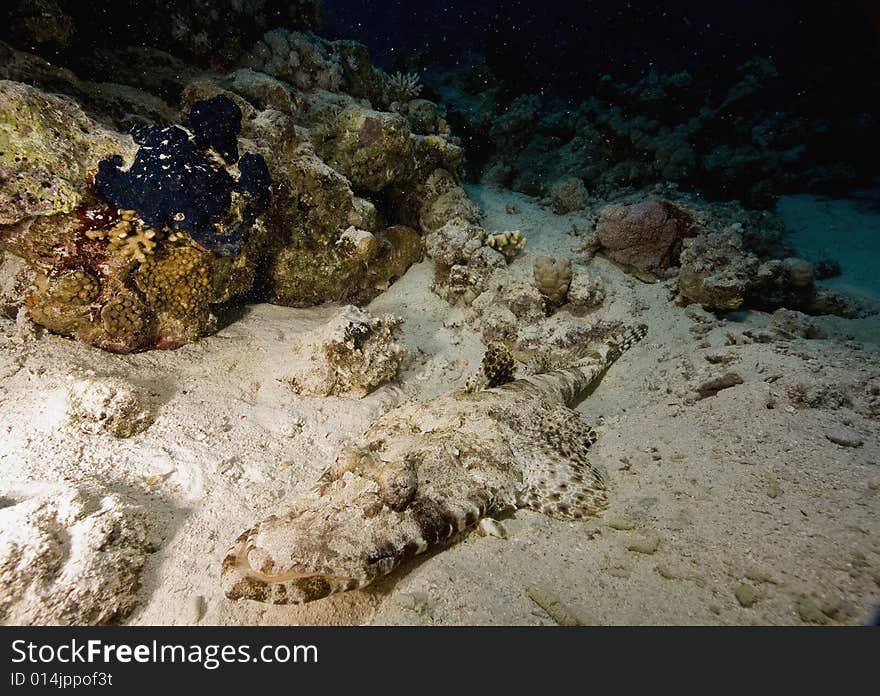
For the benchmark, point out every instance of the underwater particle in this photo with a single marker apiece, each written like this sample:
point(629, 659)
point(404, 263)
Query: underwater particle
point(508, 243)
point(215, 124)
point(75, 287)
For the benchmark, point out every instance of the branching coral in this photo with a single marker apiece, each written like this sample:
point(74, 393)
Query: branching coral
point(508, 243)
point(403, 87)
point(129, 235)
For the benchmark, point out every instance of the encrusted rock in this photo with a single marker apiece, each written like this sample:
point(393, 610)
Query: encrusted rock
point(585, 291)
point(422, 116)
point(645, 237)
point(795, 323)
point(798, 272)
point(716, 271)
point(372, 149)
point(16, 278)
point(350, 355)
point(454, 243)
point(47, 145)
point(70, 557)
point(108, 405)
point(300, 58)
point(712, 386)
point(568, 195)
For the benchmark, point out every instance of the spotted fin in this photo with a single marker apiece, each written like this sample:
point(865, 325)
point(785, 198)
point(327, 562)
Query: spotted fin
point(558, 478)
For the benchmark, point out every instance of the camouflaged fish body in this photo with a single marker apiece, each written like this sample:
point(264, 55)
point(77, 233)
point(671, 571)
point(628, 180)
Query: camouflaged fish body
point(423, 473)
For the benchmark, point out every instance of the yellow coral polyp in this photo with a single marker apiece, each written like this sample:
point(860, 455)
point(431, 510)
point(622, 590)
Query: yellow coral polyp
point(123, 316)
point(75, 288)
point(177, 281)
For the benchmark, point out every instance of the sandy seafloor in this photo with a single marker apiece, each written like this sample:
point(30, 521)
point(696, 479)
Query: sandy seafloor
point(740, 489)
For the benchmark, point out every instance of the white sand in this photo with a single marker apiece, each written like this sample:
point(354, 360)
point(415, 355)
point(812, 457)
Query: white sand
point(705, 496)
point(845, 230)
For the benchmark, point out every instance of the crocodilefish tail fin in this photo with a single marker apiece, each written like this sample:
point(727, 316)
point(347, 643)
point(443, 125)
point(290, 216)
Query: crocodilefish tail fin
point(568, 385)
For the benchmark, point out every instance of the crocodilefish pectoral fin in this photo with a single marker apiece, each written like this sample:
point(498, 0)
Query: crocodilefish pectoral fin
point(340, 540)
point(558, 478)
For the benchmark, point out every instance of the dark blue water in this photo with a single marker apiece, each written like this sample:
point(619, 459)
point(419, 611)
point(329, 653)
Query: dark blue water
point(561, 47)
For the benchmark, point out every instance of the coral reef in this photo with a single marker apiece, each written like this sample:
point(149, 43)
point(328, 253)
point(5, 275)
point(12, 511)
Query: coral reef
point(301, 59)
point(142, 269)
point(158, 231)
point(747, 142)
point(70, 557)
point(205, 32)
point(351, 355)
